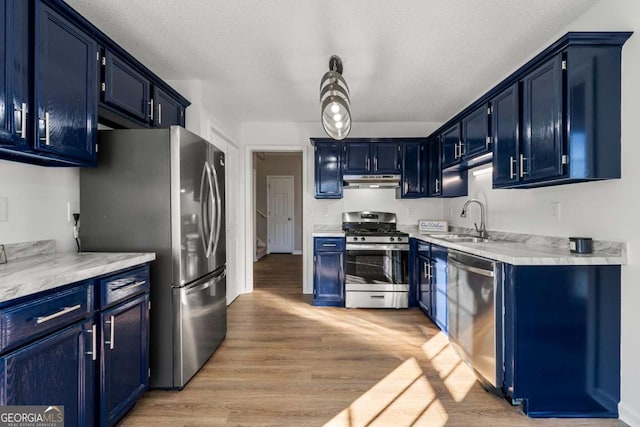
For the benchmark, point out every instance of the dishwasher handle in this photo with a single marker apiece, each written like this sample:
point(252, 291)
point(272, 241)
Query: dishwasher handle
point(481, 271)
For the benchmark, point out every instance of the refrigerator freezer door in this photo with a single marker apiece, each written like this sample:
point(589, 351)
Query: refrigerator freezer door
point(200, 314)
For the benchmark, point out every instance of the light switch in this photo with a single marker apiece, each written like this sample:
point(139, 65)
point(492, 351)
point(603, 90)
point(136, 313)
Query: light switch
point(4, 209)
point(555, 210)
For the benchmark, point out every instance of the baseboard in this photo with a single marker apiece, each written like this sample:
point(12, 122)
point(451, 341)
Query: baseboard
point(296, 252)
point(628, 415)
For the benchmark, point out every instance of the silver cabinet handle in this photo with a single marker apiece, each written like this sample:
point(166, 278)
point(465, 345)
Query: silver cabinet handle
point(368, 163)
point(129, 285)
point(159, 113)
point(377, 296)
point(112, 341)
point(43, 319)
point(375, 164)
point(437, 185)
point(522, 159)
point(329, 245)
point(23, 120)
point(455, 151)
point(461, 150)
point(406, 186)
point(512, 173)
point(424, 271)
point(151, 109)
point(93, 353)
point(47, 132)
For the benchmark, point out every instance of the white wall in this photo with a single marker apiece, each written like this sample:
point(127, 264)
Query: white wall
point(37, 200)
point(603, 210)
point(295, 136)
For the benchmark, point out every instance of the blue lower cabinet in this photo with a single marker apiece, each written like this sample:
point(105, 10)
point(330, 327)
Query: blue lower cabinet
point(125, 358)
point(57, 370)
point(562, 340)
point(328, 272)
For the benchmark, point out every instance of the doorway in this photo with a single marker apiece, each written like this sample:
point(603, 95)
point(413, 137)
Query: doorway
point(277, 188)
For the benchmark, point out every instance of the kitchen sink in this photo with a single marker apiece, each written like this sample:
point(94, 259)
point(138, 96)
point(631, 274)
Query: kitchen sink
point(466, 238)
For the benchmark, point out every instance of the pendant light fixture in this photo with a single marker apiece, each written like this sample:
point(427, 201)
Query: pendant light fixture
point(334, 101)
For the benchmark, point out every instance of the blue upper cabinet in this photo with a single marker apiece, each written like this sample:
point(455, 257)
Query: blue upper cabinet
point(371, 156)
point(327, 168)
point(451, 145)
point(14, 74)
point(434, 186)
point(66, 67)
point(167, 110)
point(475, 132)
point(357, 158)
point(125, 88)
point(414, 177)
point(504, 134)
point(386, 157)
point(541, 156)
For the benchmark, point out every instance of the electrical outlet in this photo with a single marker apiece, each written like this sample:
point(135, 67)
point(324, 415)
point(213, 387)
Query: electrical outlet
point(72, 207)
point(4, 209)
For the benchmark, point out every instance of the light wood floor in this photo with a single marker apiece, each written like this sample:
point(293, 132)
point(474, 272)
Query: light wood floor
point(286, 363)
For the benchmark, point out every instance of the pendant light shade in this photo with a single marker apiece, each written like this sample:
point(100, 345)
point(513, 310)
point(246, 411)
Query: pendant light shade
point(334, 101)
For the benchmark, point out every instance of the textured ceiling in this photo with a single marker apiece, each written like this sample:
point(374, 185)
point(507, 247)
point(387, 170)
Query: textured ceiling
point(404, 60)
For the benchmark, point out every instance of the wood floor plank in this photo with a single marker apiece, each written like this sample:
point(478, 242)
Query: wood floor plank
point(287, 363)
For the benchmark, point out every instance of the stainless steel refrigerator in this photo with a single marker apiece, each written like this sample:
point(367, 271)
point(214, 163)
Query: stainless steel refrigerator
point(162, 191)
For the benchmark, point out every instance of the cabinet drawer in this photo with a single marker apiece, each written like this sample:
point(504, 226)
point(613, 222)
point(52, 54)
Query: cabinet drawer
point(329, 244)
point(123, 285)
point(24, 322)
point(375, 299)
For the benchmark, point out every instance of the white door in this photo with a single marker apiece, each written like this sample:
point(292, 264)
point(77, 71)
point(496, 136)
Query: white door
point(280, 197)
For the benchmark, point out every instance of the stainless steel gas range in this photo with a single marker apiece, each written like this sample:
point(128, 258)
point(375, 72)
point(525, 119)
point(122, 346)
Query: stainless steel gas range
point(377, 261)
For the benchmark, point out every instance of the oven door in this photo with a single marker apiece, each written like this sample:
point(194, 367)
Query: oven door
point(378, 266)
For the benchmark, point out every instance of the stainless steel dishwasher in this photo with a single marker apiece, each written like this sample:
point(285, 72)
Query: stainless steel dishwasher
point(474, 294)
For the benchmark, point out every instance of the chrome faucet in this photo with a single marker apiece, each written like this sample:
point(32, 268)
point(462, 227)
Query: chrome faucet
point(482, 231)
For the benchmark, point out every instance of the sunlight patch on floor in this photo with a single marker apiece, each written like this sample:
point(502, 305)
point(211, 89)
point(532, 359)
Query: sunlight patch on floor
point(404, 394)
point(457, 376)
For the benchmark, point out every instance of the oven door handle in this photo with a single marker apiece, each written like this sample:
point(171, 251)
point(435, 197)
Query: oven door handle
point(376, 247)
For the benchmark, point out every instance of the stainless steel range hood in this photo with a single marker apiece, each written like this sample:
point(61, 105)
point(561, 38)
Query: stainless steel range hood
point(371, 181)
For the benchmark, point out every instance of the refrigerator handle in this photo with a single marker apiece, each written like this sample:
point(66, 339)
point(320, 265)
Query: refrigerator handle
point(203, 226)
point(210, 218)
point(219, 212)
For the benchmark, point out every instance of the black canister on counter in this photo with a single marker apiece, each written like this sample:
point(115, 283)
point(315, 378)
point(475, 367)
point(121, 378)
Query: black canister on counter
point(581, 245)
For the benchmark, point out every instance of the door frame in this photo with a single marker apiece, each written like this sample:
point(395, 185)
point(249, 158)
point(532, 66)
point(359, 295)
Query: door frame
point(250, 207)
point(292, 207)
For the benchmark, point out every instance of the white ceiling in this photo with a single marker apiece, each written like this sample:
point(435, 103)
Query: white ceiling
point(404, 60)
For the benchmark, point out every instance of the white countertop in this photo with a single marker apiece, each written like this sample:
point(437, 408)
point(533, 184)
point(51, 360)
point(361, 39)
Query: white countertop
point(526, 254)
point(321, 230)
point(32, 274)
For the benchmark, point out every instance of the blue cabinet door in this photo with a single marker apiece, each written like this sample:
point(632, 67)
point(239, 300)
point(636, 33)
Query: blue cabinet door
point(66, 66)
point(328, 273)
point(435, 168)
point(14, 74)
point(328, 170)
point(125, 88)
point(542, 140)
point(424, 285)
point(504, 130)
point(451, 146)
point(439, 286)
point(414, 170)
point(167, 110)
point(125, 358)
point(475, 132)
point(58, 370)
point(386, 157)
point(357, 158)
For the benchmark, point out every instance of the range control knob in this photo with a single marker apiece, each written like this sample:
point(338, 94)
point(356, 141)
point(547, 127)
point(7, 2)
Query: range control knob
point(399, 239)
point(355, 239)
point(363, 239)
point(392, 239)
